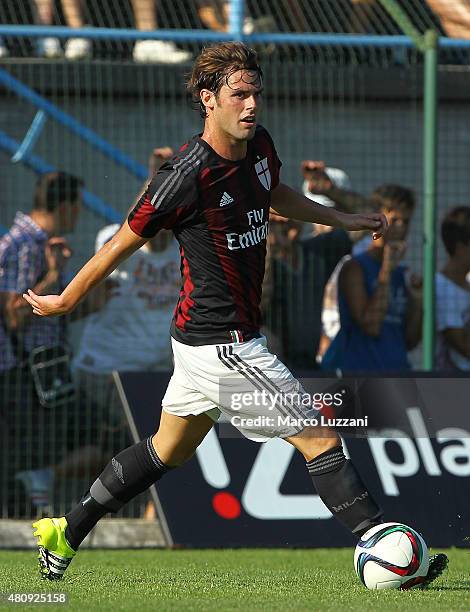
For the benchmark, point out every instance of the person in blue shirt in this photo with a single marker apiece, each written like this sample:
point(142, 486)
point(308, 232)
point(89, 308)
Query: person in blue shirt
point(380, 315)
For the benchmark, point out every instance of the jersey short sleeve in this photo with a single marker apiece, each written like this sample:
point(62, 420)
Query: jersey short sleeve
point(171, 196)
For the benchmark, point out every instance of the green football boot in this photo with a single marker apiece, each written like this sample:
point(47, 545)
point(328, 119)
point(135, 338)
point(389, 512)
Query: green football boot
point(55, 553)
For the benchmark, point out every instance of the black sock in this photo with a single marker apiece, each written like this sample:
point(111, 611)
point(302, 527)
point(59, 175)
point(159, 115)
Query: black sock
point(341, 489)
point(129, 473)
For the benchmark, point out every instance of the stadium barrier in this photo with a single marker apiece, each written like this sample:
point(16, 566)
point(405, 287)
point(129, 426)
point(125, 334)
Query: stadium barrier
point(328, 96)
point(411, 453)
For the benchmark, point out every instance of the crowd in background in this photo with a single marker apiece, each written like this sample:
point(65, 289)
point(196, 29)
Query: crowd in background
point(332, 300)
point(353, 16)
point(352, 304)
point(72, 400)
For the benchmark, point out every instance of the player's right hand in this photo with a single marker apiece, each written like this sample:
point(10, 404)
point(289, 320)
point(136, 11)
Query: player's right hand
point(45, 305)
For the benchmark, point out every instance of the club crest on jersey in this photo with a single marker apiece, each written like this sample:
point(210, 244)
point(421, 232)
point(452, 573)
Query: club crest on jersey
point(264, 175)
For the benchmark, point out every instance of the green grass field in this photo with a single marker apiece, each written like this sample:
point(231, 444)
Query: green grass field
point(222, 580)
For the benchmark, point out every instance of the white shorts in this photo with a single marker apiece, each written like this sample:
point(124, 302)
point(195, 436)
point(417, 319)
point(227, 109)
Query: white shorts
point(251, 387)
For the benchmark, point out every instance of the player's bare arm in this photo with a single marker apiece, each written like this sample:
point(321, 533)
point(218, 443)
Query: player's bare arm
point(314, 172)
point(289, 203)
point(107, 259)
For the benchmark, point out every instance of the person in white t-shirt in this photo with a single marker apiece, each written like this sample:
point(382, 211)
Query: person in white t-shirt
point(453, 293)
point(131, 332)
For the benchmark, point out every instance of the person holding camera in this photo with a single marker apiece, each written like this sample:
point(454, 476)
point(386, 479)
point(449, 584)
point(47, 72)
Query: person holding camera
point(34, 251)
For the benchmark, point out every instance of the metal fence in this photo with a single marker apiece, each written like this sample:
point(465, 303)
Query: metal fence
point(352, 101)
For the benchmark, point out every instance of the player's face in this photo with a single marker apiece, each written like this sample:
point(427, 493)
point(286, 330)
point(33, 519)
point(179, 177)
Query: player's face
point(238, 105)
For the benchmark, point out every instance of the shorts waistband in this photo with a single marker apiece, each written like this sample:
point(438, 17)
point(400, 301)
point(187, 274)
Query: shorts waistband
point(227, 337)
point(237, 335)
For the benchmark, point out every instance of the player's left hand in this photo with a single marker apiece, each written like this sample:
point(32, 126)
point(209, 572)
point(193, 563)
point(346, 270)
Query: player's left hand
point(45, 305)
point(376, 222)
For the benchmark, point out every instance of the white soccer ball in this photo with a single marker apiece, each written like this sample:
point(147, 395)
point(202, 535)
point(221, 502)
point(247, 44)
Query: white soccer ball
point(391, 556)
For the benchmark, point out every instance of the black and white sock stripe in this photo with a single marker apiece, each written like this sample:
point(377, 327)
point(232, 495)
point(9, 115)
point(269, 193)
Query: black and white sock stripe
point(155, 458)
point(327, 462)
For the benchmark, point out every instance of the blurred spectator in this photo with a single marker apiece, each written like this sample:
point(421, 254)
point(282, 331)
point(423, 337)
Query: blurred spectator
point(33, 254)
point(321, 181)
point(330, 312)
point(337, 187)
point(299, 270)
point(215, 15)
point(454, 16)
point(149, 51)
point(50, 47)
point(301, 259)
point(380, 316)
point(129, 333)
point(453, 293)
point(330, 187)
point(145, 51)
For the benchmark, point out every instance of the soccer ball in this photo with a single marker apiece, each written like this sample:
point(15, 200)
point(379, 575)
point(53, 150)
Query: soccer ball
point(391, 556)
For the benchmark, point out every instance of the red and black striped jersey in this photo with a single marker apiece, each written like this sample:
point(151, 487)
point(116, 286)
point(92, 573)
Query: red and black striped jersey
point(219, 212)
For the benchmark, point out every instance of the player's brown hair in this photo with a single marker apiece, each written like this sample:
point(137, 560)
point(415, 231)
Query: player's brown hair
point(53, 188)
point(214, 66)
point(455, 228)
point(391, 197)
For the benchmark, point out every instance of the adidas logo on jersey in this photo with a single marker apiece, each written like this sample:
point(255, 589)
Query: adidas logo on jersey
point(226, 199)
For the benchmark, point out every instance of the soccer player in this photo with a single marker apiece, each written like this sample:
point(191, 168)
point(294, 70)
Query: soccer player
point(215, 195)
